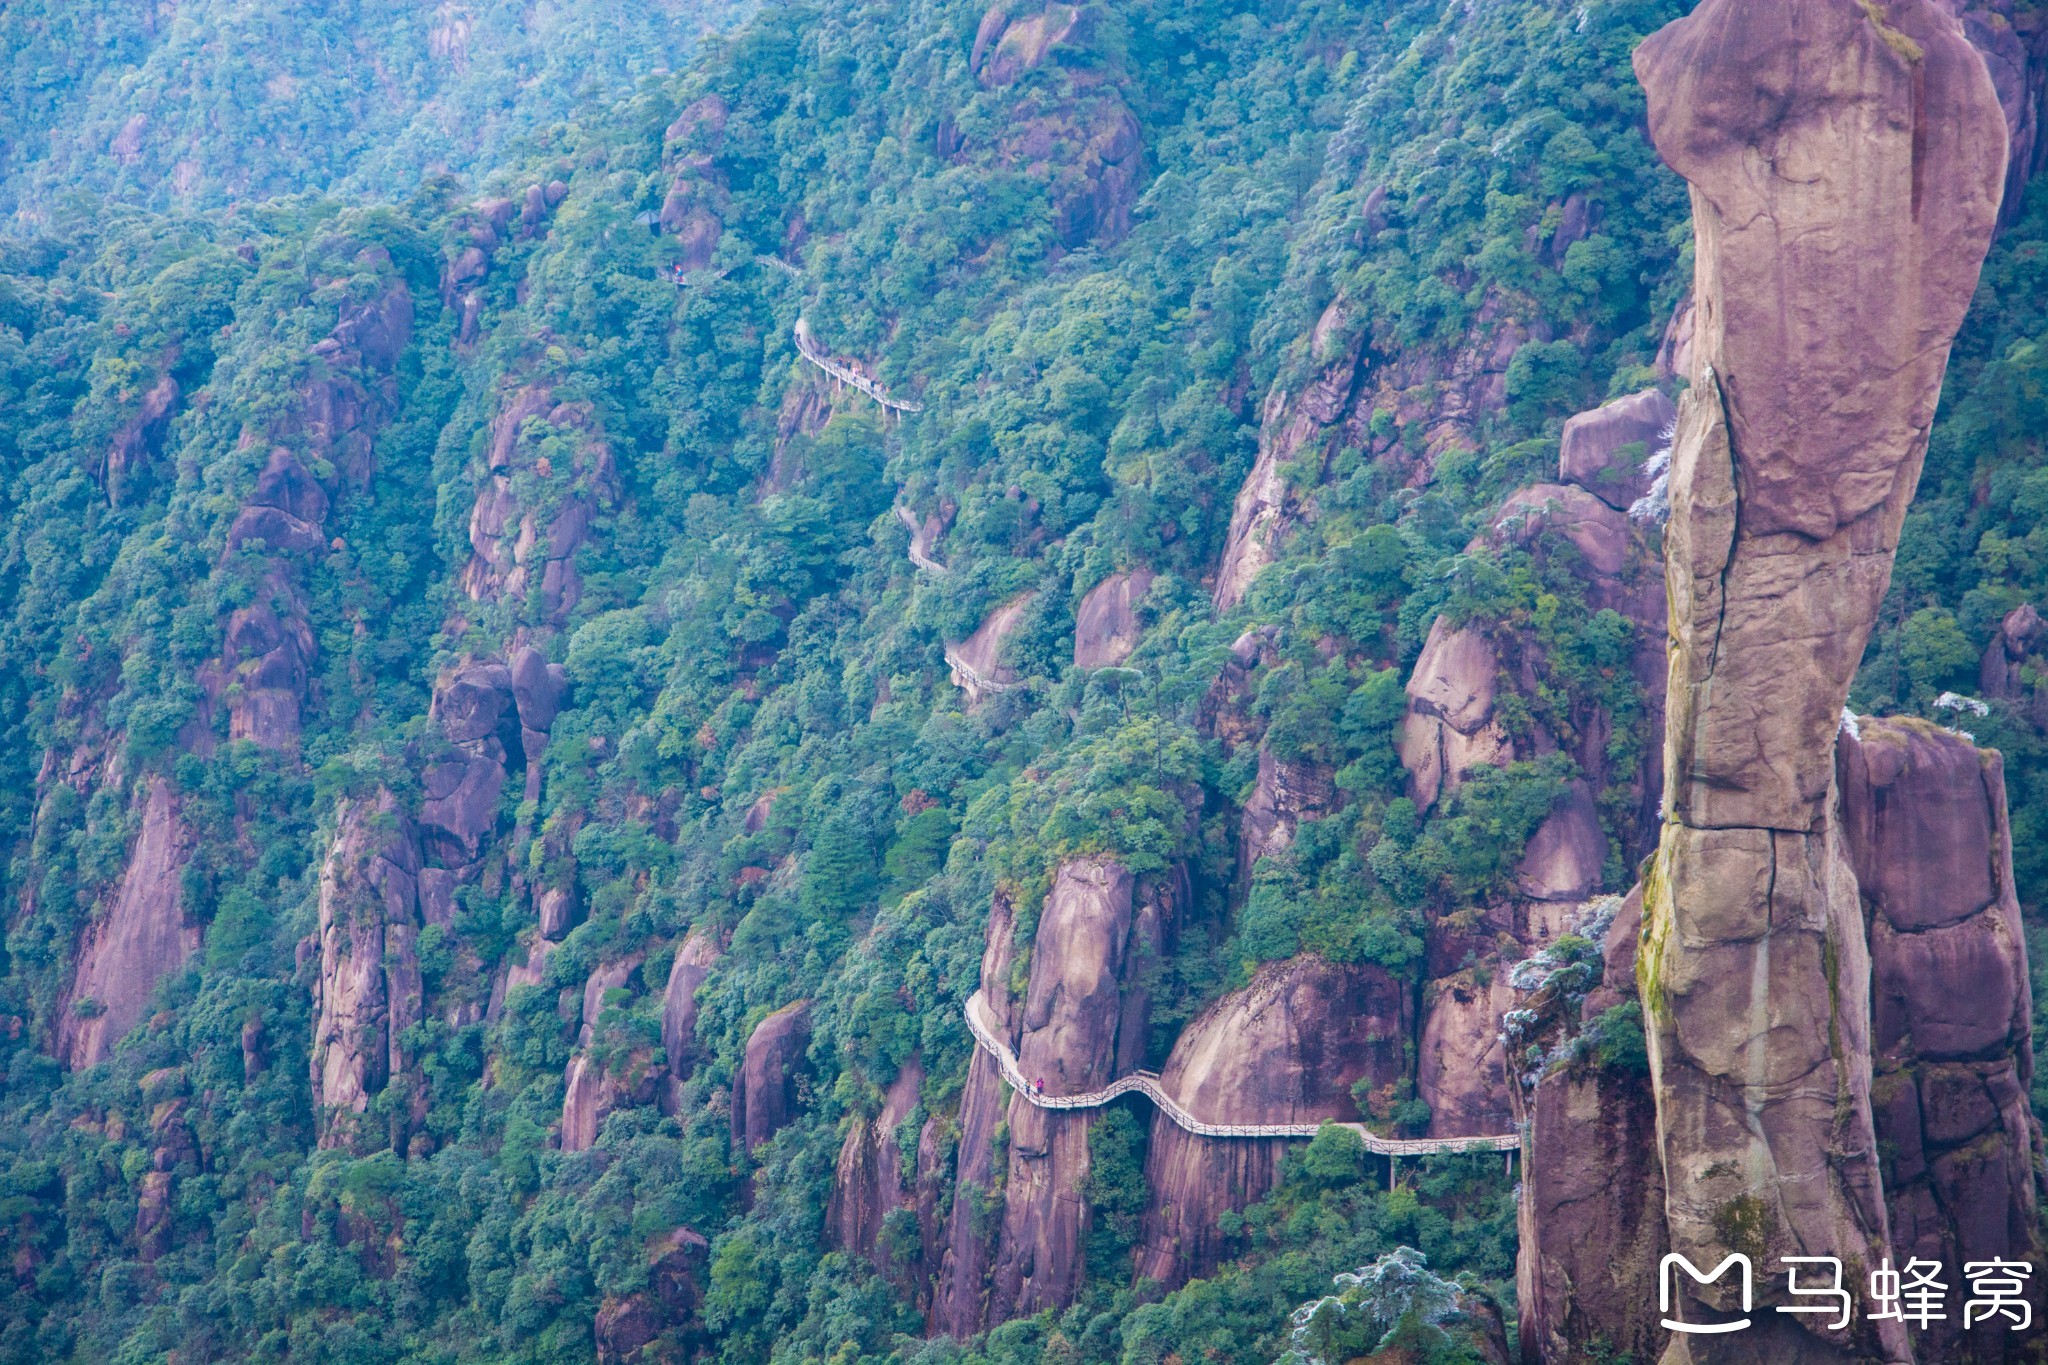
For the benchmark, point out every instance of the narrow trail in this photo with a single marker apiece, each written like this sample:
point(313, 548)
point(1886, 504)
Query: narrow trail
point(808, 349)
point(1147, 1084)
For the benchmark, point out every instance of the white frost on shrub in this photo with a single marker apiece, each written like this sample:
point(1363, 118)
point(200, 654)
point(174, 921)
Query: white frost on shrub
point(1952, 701)
point(1377, 1297)
point(1655, 505)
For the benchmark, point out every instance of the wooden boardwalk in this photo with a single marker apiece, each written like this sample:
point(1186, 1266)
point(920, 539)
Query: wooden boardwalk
point(1147, 1084)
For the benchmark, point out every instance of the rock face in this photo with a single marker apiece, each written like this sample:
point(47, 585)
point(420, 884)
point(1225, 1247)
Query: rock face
point(1290, 424)
point(764, 1090)
point(1846, 163)
point(976, 662)
point(1925, 817)
point(659, 1323)
point(140, 441)
point(692, 966)
point(594, 1087)
point(1285, 794)
point(1460, 1068)
point(369, 987)
point(1106, 626)
point(1604, 451)
point(142, 937)
point(1082, 1022)
point(1591, 1214)
point(2018, 62)
point(1286, 1049)
point(868, 1184)
point(349, 391)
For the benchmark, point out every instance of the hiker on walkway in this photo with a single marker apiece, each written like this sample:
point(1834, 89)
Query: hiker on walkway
point(1038, 1087)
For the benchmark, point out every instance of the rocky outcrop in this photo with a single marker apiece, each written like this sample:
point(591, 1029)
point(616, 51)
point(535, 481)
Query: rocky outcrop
point(1285, 793)
point(172, 1152)
point(1828, 292)
point(2014, 46)
point(658, 1323)
point(1924, 814)
point(698, 201)
point(691, 967)
point(868, 1184)
point(1292, 425)
point(1604, 451)
point(1106, 625)
point(532, 514)
point(2019, 635)
point(477, 715)
point(764, 1089)
point(1078, 135)
point(349, 391)
point(1083, 1020)
point(965, 1245)
point(1591, 1208)
point(1461, 1067)
point(1288, 1048)
point(368, 992)
point(596, 1085)
point(137, 941)
point(976, 662)
point(1450, 728)
point(1453, 724)
point(140, 442)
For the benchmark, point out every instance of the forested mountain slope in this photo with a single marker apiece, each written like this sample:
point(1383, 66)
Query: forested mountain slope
point(191, 104)
point(510, 773)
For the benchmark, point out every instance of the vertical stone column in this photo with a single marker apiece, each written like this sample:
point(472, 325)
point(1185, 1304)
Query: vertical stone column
point(1846, 159)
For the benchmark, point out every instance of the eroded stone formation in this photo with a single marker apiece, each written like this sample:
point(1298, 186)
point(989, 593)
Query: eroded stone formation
point(1081, 1021)
point(1846, 162)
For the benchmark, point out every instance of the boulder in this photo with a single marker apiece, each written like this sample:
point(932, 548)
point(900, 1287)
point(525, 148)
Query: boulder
point(1288, 1048)
point(764, 1089)
point(1604, 451)
point(141, 938)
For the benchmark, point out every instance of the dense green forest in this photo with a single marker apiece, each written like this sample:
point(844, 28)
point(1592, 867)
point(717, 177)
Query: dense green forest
point(350, 353)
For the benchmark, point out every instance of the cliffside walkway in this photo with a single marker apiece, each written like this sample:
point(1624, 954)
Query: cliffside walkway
point(1146, 1083)
point(808, 349)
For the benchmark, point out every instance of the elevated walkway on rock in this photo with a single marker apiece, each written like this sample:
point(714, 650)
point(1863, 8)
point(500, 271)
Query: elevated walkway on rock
point(1146, 1083)
point(846, 374)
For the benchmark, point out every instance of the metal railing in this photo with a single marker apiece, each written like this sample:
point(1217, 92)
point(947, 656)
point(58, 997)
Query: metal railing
point(845, 374)
point(1147, 1084)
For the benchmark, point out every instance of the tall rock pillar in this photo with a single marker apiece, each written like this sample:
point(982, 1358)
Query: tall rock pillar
point(1846, 159)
